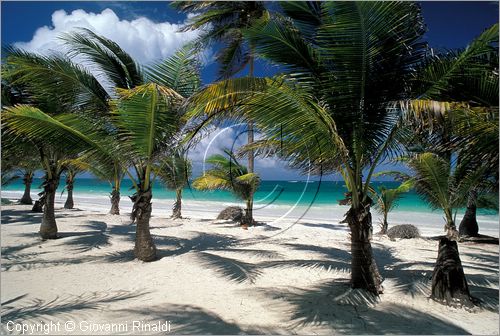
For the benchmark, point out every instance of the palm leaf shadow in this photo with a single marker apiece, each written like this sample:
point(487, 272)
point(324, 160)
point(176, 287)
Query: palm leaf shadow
point(64, 307)
point(233, 269)
point(341, 309)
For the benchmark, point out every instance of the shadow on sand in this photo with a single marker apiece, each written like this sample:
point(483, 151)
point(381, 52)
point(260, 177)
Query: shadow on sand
point(337, 308)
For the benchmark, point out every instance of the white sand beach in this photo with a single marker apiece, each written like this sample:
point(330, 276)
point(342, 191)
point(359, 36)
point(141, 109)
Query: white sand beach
point(216, 278)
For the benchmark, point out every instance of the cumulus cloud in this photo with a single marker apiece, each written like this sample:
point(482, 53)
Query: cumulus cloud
point(142, 38)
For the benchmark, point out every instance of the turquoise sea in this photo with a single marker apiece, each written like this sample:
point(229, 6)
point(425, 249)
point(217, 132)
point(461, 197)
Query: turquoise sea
point(304, 193)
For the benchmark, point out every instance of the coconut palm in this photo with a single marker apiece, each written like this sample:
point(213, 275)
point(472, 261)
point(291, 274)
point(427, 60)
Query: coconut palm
point(223, 22)
point(44, 76)
point(41, 79)
point(387, 200)
point(346, 62)
point(71, 172)
point(143, 122)
point(456, 112)
point(174, 171)
point(228, 174)
point(19, 156)
point(441, 185)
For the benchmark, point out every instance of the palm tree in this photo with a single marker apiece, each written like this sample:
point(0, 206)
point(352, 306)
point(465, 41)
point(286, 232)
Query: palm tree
point(174, 171)
point(456, 111)
point(441, 185)
point(346, 62)
point(387, 199)
point(44, 76)
point(143, 123)
point(224, 22)
point(228, 174)
point(41, 79)
point(71, 172)
point(19, 157)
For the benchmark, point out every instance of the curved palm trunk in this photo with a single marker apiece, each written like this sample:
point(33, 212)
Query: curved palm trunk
point(468, 226)
point(48, 228)
point(365, 273)
point(145, 249)
point(385, 225)
point(69, 204)
point(115, 202)
point(27, 180)
point(247, 219)
point(250, 122)
point(176, 210)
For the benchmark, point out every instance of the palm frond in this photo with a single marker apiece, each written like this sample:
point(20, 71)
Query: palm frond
point(117, 65)
point(44, 76)
point(180, 72)
point(146, 117)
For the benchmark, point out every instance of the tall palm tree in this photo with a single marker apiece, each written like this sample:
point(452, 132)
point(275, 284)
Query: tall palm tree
point(174, 171)
point(456, 111)
point(41, 78)
point(224, 22)
point(345, 63)
point(387, 199)
point(228, 174)
point(44, 76)
point(20, 157)
point(71, 173)
point(143, 122)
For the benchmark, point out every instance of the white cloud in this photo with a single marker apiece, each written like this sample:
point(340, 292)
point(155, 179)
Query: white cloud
point(144, 39)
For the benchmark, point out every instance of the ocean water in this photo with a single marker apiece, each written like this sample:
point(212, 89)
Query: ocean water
point(269, 194)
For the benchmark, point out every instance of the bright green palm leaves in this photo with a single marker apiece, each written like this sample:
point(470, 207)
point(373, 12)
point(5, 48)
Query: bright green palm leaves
point(387, 199)
point(344, 69)
point(437, 181)
point(346, 63)
point(224, 22)
point(142, 123)
point(174, 171)
point(226, 173)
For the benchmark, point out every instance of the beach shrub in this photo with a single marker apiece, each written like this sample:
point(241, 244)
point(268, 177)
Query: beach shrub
point(233, 213)
point(405, 231)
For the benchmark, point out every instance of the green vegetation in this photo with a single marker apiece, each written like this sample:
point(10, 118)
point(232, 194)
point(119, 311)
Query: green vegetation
point(358, 87)
point(228, 174)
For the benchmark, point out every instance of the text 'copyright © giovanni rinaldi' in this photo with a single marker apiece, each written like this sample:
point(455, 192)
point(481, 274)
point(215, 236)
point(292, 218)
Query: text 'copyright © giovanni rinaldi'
point(41, 327)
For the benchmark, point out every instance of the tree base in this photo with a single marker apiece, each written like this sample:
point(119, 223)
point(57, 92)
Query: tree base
point(37, 207)
point(449, 285)
point(26, 201)
point(48, 232)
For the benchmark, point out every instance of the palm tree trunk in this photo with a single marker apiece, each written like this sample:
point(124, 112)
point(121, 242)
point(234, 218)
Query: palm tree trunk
point(145, 249)
point(115, 202)
point(449, 284)
point(48, 228)
point(468, 226)
point(37, 207)
point(176, 210)
point(27, 180)
point(69, 204)
point(247, 219)
point(365, 273)
point(385, 225)
point(250, 122)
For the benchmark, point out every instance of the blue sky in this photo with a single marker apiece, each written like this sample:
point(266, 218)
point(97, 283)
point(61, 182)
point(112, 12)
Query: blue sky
point(31, 24)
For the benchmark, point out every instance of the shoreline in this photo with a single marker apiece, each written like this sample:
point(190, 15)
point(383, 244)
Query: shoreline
point(429, 223)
